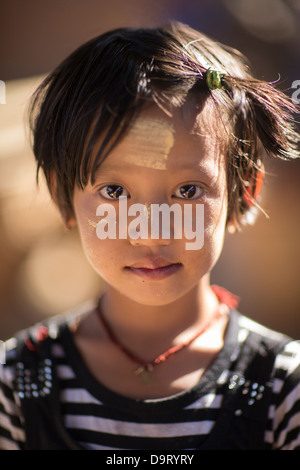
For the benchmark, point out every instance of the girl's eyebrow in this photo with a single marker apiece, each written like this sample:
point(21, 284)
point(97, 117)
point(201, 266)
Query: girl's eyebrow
point(109, 171)
point(206, 170)
point(104, 169)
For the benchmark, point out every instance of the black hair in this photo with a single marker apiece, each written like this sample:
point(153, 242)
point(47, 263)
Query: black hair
point(103, 84)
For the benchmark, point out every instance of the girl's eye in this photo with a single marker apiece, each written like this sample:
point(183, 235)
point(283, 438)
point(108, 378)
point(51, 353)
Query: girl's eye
point(189, 191)
point(113, 191)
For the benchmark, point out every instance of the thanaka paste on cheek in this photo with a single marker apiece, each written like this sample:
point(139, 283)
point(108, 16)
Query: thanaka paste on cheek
point(150, 143)
point(92, 223)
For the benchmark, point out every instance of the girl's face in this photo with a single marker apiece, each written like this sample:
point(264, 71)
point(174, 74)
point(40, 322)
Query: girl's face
point(161, 160)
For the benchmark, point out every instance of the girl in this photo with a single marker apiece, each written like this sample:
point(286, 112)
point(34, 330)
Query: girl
point(163, 360)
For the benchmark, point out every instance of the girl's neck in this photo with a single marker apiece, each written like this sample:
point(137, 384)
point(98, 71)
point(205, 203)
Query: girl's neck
point(127, 317)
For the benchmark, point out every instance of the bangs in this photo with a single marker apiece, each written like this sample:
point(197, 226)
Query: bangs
point(135, 69)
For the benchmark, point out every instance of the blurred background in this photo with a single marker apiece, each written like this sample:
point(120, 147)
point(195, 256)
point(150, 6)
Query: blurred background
point(42, 268)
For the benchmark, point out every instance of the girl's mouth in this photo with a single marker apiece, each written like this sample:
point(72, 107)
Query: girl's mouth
point(155, 273)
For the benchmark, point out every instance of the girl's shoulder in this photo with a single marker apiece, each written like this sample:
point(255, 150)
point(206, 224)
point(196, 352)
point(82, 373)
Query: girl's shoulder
point(266, 341)
point(27, 371)
point(270, 339)
point(34, 348)
point(283, 425)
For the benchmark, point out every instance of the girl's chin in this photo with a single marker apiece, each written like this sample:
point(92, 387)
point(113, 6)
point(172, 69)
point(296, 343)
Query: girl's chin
point(148, 294)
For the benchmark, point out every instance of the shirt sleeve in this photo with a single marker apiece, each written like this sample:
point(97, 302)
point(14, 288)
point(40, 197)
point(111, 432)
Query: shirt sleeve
point(12, 435)
point(284, 411)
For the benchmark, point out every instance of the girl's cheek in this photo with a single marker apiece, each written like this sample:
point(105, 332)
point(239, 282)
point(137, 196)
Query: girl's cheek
point(215, 215)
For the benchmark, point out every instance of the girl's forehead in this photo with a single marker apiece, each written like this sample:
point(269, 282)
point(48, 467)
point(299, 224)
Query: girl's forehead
point(153, 137)
point(149, 141)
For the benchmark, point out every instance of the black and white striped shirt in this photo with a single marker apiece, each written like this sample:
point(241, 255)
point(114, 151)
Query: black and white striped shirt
point(97, 418)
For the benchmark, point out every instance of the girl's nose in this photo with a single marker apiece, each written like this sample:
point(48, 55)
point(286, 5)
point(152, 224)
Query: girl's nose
point(148, 241)
point(153, 226)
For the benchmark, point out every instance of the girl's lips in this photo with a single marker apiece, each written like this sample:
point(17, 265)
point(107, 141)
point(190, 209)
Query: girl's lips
point(155, 274)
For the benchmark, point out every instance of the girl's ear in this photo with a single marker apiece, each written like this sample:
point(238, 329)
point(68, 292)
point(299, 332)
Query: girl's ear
point(70, 222)
point(232, 226)
point(68, 219)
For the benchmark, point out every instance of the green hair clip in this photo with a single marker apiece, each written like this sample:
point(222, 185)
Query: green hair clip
point(214, 78)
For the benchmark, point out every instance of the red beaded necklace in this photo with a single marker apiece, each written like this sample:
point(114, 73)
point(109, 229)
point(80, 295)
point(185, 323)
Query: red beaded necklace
point(226, 301)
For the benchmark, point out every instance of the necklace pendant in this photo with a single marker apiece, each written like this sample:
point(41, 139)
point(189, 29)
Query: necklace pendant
point(145, 374)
